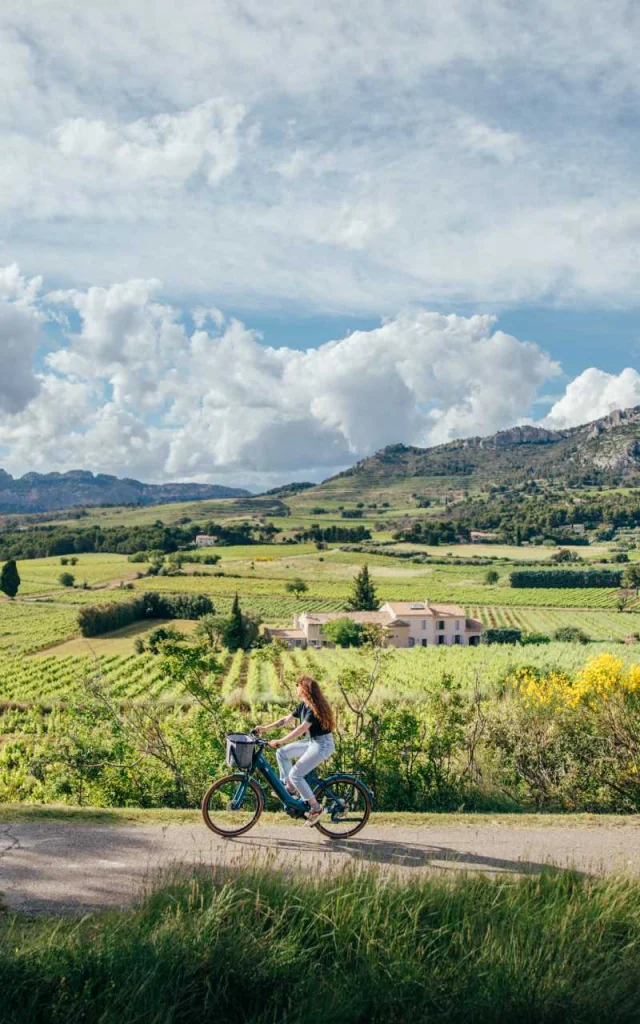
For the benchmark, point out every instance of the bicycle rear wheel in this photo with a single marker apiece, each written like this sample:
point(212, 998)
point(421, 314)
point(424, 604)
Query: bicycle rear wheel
point(232, 805)
point(347, 806)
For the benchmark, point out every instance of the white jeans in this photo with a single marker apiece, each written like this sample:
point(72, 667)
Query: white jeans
point(308, 754)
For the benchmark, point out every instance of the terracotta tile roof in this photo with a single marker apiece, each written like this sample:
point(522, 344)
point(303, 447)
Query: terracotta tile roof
point(378, 618)
point(409, 609)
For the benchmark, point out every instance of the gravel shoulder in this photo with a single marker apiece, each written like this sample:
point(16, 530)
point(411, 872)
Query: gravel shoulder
point(62, 866)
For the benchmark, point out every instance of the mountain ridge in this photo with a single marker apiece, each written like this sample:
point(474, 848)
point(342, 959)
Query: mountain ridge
point(80, 488)
point(606, 449)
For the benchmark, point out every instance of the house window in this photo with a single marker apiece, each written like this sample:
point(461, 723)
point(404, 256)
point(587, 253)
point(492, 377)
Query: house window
point(457, 639)
point(440, 623)
point(411, 642)
point(424, 643)
point(424, 623)
point(442, 639)
point(457, 624)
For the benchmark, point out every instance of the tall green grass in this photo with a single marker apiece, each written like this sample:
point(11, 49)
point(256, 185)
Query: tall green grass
point(356, 947)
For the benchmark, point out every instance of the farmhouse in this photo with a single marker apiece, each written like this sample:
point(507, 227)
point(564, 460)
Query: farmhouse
point(405, 623)
point(205, 540)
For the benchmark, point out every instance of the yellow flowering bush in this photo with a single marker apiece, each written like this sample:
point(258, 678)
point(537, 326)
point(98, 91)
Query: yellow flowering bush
point(542, 690)
point(603, 679)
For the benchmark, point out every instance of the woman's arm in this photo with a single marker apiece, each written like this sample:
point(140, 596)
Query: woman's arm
point(293, 735)
point(287, 720)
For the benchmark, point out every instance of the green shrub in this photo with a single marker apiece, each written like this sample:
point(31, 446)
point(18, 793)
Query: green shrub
point(563, 578)
point(342, 632)
point(535, 638)
point(502, 635)
point(571, 634)
point(94, 620)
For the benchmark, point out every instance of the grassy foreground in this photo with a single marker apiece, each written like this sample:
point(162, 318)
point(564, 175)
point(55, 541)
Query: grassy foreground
point(355, 948)
point(124, 816)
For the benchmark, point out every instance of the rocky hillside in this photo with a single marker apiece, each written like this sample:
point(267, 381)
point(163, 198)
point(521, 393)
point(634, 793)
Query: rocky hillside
point(606, 451)
point(45, 492)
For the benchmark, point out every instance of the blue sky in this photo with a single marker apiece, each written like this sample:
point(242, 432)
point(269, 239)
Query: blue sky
point(230, 231)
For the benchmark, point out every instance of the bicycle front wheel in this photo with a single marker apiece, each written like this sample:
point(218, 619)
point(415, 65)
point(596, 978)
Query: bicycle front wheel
point(347, 806)
point(232, 805)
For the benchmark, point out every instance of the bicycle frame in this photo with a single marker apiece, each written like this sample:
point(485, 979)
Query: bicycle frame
point(292, 804)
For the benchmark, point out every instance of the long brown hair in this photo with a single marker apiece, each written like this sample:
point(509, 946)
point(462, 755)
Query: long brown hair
point(317, 701)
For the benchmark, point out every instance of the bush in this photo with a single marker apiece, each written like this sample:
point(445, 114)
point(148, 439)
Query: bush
point(564, 555)
point(535, 638)
point(571, 634)
point(66, 579)
point(501, 635)
point(342, 632)
point(94, 620)
point(157, 637)
point(563, 578)
point(10, 578)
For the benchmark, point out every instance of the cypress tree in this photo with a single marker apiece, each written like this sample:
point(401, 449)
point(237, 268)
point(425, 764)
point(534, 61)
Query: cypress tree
point(234, 637)
point(9, 578)
point(363, 595)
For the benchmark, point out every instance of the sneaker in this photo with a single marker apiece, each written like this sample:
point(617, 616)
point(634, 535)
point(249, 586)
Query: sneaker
point(313, 817)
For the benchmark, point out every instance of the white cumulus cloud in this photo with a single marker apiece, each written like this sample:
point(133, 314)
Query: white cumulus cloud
point(174, 147)
point(132, 389)
point(133, 385)
point(593, 394)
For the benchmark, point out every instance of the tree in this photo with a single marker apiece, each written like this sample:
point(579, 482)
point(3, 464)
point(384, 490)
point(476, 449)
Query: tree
point(363, 594)
point(210, 628)
point(343, 632)
point(233, 630)
point(571, 634)
point(492, 576)
point(296, 586)
point(631, 577)
point(66, 579)
point(564, 555)
point(239, 631)
point(9, 578)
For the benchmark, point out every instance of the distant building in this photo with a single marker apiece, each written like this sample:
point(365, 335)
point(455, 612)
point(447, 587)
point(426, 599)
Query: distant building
point(578, 528)
point(405, 623)
point(481, 537)
point(205, 540)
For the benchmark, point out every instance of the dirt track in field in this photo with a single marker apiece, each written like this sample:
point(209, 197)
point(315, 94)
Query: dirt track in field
point(73, 868)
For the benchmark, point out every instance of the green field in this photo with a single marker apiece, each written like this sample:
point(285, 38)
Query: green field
point(245, 678)
point(44, 613)
point(57, 746)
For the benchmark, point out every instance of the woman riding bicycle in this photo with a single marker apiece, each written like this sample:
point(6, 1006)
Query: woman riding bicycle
point(316, 719)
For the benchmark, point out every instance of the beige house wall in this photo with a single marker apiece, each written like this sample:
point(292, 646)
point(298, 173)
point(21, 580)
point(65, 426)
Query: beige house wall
point(407, 630)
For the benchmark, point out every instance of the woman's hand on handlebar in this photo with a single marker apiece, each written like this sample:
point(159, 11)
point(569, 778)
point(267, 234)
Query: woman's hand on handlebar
point(259, 729)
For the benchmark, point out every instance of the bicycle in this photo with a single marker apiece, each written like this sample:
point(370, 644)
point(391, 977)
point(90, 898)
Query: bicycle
point(234, 803)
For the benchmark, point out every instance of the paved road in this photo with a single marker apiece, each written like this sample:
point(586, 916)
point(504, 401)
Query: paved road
point(65, 868)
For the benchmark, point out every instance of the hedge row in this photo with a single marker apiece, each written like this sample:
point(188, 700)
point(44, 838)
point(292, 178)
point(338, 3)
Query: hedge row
point(562, 578)
point(96, 619)
point(502, 635)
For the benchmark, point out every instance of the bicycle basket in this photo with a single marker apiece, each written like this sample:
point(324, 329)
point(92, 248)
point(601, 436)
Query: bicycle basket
point(240, 750)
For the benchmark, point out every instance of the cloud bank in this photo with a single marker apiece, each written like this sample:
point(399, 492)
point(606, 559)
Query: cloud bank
point(354, 158)
point(118, 380)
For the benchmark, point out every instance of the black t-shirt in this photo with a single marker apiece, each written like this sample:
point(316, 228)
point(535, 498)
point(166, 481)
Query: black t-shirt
point(305, 714)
